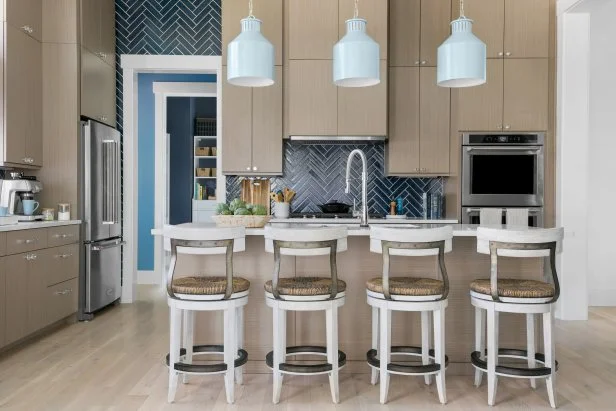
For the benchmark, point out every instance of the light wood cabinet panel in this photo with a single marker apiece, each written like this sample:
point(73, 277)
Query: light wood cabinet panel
point(34, 95)
point(267, 127)
point(269, 12)
point(91, 25)
point(26, 15)
point(16, 302)
point(375, 12)
point(62, 235)
point(526, 95)
point(312, 28)
point(435, 20)
point(97, 89)
point(60, 21)
point(2, 303)
point(527, 28)
point(108, 94)
point(313, 98)
point(2, 244)
point(107, 33)
point(403, 141)
point(236, 127)
point(25, 240)
point(363, 110)
point(434, 123)
point(488, 22)
point(480, 108)
point(63, 264)
point(61, 300)
point(39, 263)
point(404, 32)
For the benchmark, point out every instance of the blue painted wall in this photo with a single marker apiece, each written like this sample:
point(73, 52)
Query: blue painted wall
point(145, 258)
point(180, 129)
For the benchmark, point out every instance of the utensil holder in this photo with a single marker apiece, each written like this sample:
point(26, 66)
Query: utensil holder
point(282, 210)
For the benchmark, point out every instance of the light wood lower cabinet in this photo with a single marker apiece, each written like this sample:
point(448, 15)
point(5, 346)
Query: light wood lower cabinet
point(61, 300)
point(16, 303)
point(2, 302)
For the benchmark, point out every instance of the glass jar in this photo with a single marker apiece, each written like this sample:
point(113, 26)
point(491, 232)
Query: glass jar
point(64, 212)
point(48, 214)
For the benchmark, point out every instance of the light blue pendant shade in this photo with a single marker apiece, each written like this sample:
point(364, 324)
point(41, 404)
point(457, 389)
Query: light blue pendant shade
point(461, 60)
point(356, 57)
point(250, 57)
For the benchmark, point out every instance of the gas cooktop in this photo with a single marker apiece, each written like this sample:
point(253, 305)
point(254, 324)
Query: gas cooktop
point(331, 215)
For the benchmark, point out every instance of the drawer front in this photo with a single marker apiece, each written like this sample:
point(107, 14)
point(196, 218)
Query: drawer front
point(25, 240)
point(61, 300)
point(63, 265)
point(62, 235)
point(2, 243)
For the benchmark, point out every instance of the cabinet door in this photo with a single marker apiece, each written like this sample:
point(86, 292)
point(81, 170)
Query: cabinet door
point(269, 12)
point(362, 111)
point(26, 15)
point(16, 301)
point(61, 300)
point(94, 76)
point(526, 95)
point(267, 127)
point(312, 28)
point(108, 94)
point(34, 95)
point(375, 12)
point(488, 22)
point(527, 25)
point(2, 303)
point(403, 142)
point(312, 98)
point(480, 108)
point(433, 123)
point(435, 19)
point(38, 264)
point(91, 25)
point(236, 127)
point(404, 32)
point(107, 32)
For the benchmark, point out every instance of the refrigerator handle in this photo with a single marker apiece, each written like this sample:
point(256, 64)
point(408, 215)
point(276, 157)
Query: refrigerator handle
point(108, 181)
point(106, 247)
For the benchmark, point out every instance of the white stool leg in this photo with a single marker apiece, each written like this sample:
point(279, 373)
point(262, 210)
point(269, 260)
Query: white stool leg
point(480, 340)
point(239, 372)
point(492, 315)
point(188, 339)
point(375, 342)
point(550, 360)
point(530, 345)
point(425, 342)
point(331, 325)
point(439, 352)
point(230, 351)
point(280, 349)
point(384, 351)
point(175, 335)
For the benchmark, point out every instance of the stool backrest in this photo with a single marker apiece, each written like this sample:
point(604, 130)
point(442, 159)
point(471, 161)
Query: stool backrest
point(301, 240)
point(198, 239)
point(411, 242)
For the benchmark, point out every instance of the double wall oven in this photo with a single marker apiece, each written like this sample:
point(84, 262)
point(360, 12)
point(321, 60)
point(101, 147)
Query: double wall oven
point(503, 170)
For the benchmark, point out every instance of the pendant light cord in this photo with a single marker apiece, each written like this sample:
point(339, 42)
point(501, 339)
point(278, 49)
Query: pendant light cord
point(250, 15)
point(461, 8)
point(356, 12)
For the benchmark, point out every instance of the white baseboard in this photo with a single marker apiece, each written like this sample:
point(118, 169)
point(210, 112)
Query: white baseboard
point(147, 277)
point(602, 298)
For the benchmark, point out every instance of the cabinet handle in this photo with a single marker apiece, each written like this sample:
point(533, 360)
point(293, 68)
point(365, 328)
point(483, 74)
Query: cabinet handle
point(423, 170)
point(27, 160)
point(500, 54)
point(507, 126)
point(64, 292)
point(27, 29)
point(417, 169)
point(500, 126)
point(247, 168)
point(417, 62)
point(424, 62)
point(63, 256)
point(30, 257)
point(507, 54)
point(63, 236)
point(254, 168)
point(101, 55)
point(28, 241)
point(102, 118)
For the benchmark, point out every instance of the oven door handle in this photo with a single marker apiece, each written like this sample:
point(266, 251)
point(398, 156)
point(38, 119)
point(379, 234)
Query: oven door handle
point(469, 210)
point(530, 149)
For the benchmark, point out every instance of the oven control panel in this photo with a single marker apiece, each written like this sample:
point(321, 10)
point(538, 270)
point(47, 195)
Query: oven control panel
point(503, 139)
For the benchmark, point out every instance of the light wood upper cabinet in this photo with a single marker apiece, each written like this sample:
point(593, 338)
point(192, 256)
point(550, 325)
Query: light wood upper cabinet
point(236, 127)
point(375, 12)
point(361, 110)
point(312, 98)
point(488, 18)
point(435, 20)
point(97, 89)
point(98, 28)
point(107, 34)
point(526, 95)
point(312, 28)
point(16, 301)
point(268, 11)
point(434, 103)
point(27, 16)
point(527, 25)
point(403, 141)
point(2, 303)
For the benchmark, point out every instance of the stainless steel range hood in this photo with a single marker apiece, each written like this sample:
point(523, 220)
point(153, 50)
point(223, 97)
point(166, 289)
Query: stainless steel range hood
point(339, 139)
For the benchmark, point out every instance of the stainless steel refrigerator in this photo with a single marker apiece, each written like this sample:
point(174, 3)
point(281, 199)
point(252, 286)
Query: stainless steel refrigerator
point(101, 271)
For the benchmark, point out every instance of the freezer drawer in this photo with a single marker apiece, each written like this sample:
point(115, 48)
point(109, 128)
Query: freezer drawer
point(103, 273)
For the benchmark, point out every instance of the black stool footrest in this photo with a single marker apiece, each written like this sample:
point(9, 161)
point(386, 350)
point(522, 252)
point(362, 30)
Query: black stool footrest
point(305, 368)
point(514, 371)
point(208, 368)
point(371, 357)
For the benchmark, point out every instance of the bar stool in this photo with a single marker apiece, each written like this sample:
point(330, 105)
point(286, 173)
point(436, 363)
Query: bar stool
point(425, 295)
point(495, 295)
point(199, 293)
point(305, 294)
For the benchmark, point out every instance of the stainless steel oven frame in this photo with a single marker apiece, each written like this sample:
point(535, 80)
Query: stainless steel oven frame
point(502, 200)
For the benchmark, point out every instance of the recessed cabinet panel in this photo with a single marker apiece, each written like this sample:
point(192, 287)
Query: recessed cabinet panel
point(312, 28)
point(435, 20)
point(16, 302)
point(375, 12)
point(527, 24)
point(267, 127)
point(526, 95)
point(434, 102)
point(488, 22)
point(236, 127)
point(404, 32)
point(91, 25)
point(26, 15)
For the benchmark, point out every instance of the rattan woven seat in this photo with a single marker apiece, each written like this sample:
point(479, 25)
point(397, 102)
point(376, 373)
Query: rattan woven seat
point(514, 288)
point(198, 285)
point(409, 286)
point(305, 286)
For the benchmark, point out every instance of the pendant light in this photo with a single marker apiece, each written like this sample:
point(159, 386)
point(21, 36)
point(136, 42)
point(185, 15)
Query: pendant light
point(250, 56)
point(356, 56)
point(461, 60)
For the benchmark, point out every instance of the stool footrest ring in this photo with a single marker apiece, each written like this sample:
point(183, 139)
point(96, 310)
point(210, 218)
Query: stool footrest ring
point(305, 368)
point(510, 370)
point(207, 368)
point(373, 361)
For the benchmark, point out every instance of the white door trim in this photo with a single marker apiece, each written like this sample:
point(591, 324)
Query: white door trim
point(132, 65)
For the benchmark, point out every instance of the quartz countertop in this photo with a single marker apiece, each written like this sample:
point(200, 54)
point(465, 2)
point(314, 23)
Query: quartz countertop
point(37, 224)
point(408, 220)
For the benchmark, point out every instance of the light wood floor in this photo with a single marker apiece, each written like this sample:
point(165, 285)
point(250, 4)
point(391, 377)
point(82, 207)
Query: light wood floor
point(116, 363)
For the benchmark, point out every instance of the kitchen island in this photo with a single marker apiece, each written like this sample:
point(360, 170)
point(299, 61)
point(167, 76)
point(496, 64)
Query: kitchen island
point(356, 266)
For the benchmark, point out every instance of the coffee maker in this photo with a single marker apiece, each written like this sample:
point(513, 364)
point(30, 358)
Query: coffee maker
point(16, 189)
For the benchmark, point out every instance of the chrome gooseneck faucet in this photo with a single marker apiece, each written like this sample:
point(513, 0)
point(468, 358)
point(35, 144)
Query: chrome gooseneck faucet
point(364, 183)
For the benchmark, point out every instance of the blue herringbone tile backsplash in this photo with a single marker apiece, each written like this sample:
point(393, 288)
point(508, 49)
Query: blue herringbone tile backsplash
point(317, 171)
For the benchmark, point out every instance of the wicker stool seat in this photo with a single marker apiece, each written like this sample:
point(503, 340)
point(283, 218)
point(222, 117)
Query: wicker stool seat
point(514, 288)
point(408, 286)
point(198, 285)
point(305, 286)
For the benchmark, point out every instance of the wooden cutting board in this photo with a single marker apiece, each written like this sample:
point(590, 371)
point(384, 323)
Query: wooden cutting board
point(256, 192)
